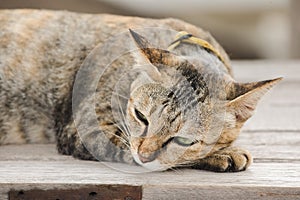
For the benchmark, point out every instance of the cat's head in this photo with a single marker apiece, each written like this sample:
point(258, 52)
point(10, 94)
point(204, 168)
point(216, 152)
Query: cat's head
point(177, 120)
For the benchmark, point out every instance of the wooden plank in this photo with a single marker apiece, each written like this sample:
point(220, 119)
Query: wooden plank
point(271, 146)
point(262, 180)
point(103, 192)
point(207, 192)
point(38, 152)
point(221, 193)
point(287, 139)
point(24, 175)
point(88, 172)
point(260, 174)
point(278, 154)
point(215, 192)
point(40, 170)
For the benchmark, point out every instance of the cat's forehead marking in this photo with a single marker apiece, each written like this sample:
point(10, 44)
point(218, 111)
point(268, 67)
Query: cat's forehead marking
point(195, 79)
point(190, 88)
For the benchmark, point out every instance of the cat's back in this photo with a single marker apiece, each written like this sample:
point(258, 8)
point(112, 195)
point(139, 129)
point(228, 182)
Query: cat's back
point(40, 53)
point(49, 46)
point(61, 35)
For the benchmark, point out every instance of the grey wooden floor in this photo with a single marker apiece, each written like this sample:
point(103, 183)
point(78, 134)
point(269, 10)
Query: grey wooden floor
point(272, 135)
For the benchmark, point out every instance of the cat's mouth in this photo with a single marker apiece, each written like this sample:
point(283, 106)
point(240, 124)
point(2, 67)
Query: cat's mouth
point(147, 153)
point(151, 163)
point(147, 158)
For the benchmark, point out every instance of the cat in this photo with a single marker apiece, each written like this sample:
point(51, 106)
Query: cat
point(174, 107)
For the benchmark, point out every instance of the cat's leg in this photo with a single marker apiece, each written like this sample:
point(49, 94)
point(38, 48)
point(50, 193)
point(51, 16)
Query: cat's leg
point(229, 159)
point(68, 143)
point(94, 145)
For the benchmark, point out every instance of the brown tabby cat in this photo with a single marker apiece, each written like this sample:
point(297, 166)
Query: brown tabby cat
point(155, 107)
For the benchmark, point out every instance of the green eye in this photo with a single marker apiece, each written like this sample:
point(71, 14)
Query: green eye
point(141, 117)
point(184, 141)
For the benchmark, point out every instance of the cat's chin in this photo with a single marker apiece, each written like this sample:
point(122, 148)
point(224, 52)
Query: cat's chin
point(150, 166)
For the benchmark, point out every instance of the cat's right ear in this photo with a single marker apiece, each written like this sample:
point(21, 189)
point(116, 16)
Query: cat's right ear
point(247, 96)
point(156, 56)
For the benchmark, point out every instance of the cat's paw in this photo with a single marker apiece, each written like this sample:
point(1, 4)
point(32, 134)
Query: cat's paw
point(237, 161)
point(230, 159)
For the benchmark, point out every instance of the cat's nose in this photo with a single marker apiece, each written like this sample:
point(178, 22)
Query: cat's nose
point(146, 158)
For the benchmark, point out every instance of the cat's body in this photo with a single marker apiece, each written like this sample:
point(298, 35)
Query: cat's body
point(40, 55)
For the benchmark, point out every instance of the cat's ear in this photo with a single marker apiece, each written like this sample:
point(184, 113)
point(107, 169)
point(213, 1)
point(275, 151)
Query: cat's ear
point(244, 98)
point(156, 56)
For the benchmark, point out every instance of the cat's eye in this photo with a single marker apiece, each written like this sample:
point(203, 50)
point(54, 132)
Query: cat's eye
point(184, 141)
point(141, 117)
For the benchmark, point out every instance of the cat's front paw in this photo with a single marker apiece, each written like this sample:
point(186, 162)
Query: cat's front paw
point(231, 159)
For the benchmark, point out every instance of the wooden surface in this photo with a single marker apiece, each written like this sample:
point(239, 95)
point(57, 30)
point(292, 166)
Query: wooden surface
point(272, 135)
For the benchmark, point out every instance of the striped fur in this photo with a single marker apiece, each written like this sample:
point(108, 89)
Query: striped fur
point(41, 53)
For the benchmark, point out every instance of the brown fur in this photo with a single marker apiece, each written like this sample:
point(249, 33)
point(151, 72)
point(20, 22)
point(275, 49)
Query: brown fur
point(41, 53)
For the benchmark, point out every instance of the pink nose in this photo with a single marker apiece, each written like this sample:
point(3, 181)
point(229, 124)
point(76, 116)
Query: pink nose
point(145, 159)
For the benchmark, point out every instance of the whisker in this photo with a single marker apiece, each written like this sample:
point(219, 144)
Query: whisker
point(176, 170)
point(119, 95)
point(124, 137)
point(186, 164)
point(178, 166)
point(124, 141)
point(117, 125)
point(121, 126)
point(126, 128)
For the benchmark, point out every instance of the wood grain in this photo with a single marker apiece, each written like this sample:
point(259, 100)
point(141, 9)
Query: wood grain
point(271, 146)
point(24, 175)
point(103, 192)
point(279, 179)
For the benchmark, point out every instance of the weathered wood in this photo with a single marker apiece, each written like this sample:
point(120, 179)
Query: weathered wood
point(88, 172)
point(271, 146)
point(38, 152)
point(103, 192)
point(221, 193)
point(47, 170)
point(59, 174)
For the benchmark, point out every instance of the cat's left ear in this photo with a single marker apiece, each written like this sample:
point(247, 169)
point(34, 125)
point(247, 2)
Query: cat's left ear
point(245, 97)
point(156, 56)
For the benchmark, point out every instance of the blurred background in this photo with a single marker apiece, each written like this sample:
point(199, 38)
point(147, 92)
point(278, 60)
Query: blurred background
point(253, 29)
